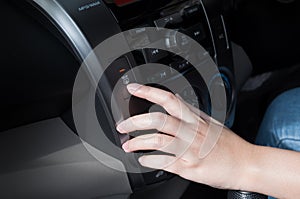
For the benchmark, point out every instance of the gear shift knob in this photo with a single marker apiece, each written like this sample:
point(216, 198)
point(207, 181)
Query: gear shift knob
point(244, 195)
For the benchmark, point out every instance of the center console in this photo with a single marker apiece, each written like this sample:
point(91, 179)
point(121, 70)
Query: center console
point(193, 19)
point(83, 24)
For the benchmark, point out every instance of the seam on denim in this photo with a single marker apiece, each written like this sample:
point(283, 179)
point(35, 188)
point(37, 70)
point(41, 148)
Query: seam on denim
point(287, 139)
point(275, 134)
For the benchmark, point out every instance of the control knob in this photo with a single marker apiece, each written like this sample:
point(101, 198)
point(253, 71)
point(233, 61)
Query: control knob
point(178, 42)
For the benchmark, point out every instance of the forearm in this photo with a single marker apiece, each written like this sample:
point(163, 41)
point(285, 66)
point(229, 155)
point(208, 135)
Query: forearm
point(273, 172)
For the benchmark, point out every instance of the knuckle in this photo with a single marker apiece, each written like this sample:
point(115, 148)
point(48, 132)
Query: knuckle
point(158, 141)
point(191, 163)
point(160, 120)
point(159, 116)
point(169, 97)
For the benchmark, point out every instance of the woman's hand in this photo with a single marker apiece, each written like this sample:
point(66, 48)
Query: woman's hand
point(204, 150)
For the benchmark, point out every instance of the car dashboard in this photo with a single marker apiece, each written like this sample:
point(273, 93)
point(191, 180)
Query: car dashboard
point(56, 157)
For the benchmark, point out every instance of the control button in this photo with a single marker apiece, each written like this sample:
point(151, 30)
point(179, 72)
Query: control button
point(163, 75)
point(140, 37)
point(120, 75)
point(159, 174)
point(191, 11)
point(125, 79)
point(181, 65)
point(159, 77)
point(169, 20)
point(221, 37)
point(137, 31)
point(127, 76)
point(156, 176)
point(177, 42)
point(196, 32)
point(221, 34)
point(120, 70)
point(154, 55)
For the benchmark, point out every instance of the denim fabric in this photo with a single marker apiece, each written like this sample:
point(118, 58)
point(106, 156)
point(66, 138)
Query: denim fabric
point(281, 125)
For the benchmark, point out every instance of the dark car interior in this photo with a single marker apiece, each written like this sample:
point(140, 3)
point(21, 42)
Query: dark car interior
point(255, 45)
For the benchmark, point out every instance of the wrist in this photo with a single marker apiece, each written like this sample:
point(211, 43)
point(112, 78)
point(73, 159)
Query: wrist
point(249, 169)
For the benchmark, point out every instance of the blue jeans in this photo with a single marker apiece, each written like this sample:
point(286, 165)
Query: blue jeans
point(281, 125)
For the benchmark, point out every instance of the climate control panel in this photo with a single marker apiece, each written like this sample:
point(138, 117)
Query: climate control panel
point(181, 25)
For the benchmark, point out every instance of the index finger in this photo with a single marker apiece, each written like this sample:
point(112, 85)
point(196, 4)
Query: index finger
point(167, 100)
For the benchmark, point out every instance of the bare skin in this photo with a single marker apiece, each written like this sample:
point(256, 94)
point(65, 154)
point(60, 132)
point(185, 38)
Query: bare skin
point(232, 163)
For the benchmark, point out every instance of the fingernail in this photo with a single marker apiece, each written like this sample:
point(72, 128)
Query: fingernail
point(142, 160)
point(125, 147)
point(133, 87)
point(121, 127)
